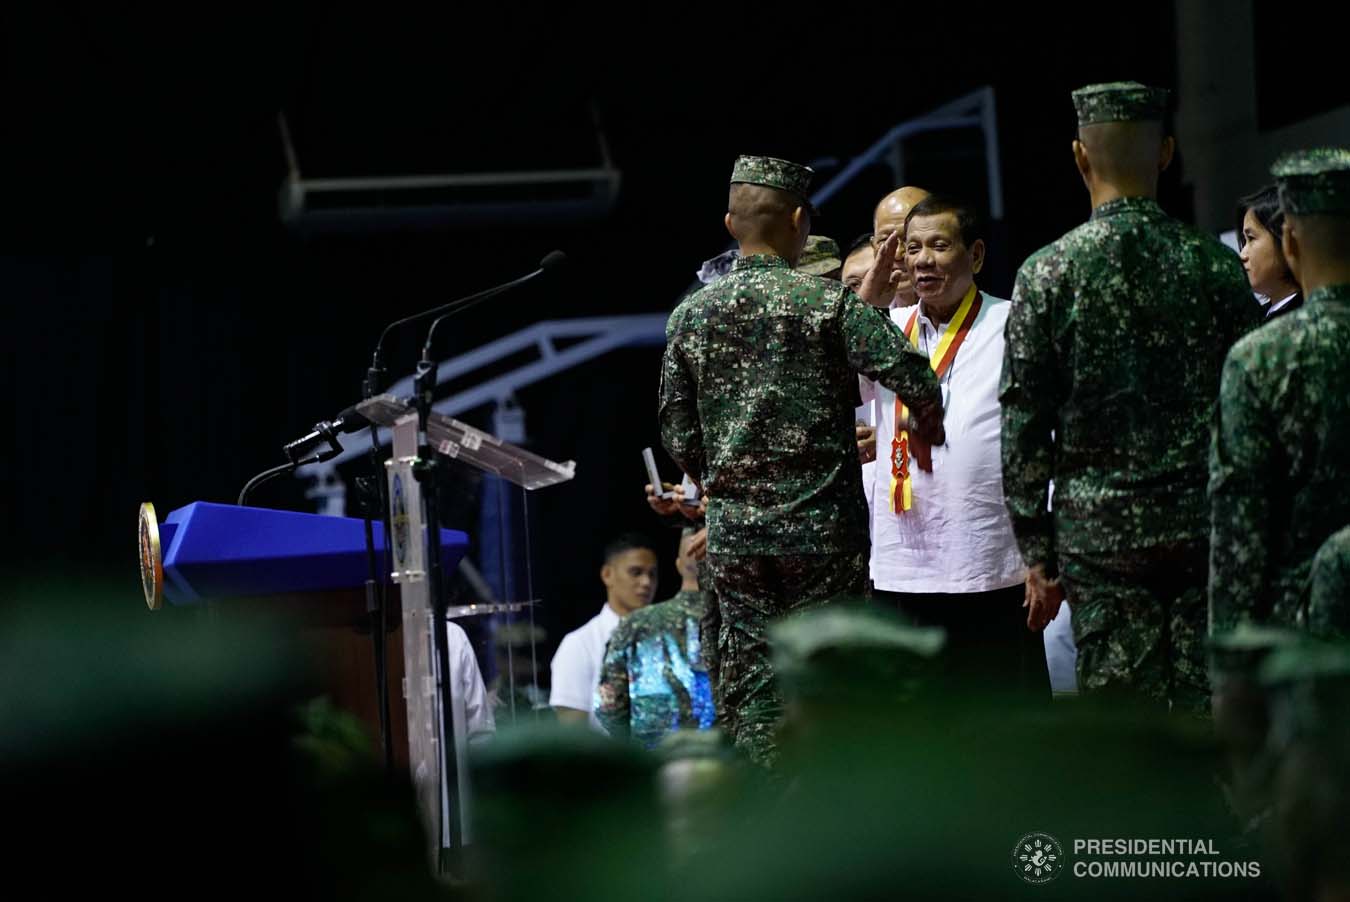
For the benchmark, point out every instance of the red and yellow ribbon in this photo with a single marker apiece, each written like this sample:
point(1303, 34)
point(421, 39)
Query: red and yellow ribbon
point(902, 490)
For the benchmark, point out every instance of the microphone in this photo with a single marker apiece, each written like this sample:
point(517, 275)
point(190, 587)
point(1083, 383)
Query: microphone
point(326, 431)
point(551, 261)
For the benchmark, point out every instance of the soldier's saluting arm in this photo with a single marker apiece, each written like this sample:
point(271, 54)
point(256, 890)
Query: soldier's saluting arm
point(877, 349)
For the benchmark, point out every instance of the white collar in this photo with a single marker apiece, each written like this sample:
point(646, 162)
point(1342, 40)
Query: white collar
point(1276, 305)
point(925, 320)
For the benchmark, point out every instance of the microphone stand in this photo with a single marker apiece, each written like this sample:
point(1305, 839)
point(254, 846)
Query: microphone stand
point(377, 567)
point(377, 571)
point(426, 471)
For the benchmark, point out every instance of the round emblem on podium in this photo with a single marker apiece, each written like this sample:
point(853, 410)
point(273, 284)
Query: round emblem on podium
point(399, 522)
point(152, 564)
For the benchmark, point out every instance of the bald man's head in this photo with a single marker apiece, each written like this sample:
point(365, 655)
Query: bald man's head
point(1125, 155)
point(888, 217)
point(894, 207)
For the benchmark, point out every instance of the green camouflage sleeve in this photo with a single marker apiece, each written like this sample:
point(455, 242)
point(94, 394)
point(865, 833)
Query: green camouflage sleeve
point(613, 705)
point(1029, 398)
point(879, 350)
point(681, 430)
point(1329, 608)
point(1241, 458)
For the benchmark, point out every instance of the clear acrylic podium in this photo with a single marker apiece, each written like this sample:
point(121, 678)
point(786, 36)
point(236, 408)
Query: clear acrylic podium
point(444, 803)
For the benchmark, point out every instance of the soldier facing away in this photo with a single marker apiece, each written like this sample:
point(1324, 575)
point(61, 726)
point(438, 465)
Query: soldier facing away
point(1115, 341)
point(757, 399)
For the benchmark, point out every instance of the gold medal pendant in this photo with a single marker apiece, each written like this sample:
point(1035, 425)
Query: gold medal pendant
point(152, 563)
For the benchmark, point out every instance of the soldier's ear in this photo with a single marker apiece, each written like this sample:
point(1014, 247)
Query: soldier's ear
point(800, 219)
point(1289, 247)
point(726, 220)
point(1166, 152)
point(1080, 159)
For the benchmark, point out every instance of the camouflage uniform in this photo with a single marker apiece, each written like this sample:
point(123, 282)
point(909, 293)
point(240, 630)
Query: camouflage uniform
point(1329, 609)
point(1114, 345)
point(1280, 469)
point(820, 257)
point(757, 400)
point(652, 681)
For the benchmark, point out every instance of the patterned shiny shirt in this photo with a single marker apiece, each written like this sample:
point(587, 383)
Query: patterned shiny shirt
point(1115, 342)
point(1280, 470)
point(653, 680)
point(757, 399)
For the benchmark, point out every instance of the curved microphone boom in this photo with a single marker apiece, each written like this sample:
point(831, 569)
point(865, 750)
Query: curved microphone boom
point(552, 260)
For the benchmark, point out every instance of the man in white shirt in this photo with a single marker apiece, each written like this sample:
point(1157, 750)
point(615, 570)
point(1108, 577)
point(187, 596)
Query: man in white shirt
point(943, 549)
point(473, 715)
point(629, 574)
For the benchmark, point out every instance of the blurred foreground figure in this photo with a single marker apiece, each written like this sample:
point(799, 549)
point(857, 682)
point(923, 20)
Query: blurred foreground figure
point(182, 755)
point(890, 786)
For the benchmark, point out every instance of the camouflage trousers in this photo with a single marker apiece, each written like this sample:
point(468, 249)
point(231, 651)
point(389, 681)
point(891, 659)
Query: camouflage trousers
point(1140, 621)
point(749, 593)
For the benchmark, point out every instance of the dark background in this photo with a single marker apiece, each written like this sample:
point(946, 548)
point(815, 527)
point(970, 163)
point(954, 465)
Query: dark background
point(165, 333)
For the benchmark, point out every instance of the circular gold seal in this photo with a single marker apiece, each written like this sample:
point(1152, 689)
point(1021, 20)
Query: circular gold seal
point(152, 565)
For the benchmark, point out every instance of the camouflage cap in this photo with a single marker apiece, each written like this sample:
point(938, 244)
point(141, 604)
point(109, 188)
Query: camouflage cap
point(1307, 660)
point(820, 256)
point(853, 648)
point(1119, 101)
point(772, 172)
point(1241, 651)
point(1308, 683)
point(1314, 181)
point(688, 743)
